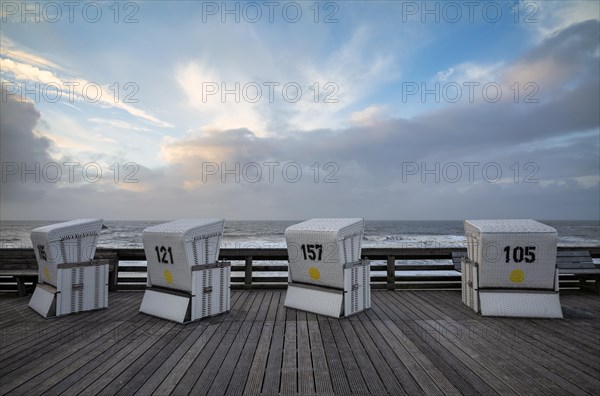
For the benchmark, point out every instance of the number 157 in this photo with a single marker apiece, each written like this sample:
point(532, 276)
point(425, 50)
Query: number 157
point(312, 252)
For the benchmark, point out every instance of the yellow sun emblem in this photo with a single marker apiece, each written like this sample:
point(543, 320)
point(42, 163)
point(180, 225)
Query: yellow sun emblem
point(314, 273)
point(168, 277)
point(517, 276)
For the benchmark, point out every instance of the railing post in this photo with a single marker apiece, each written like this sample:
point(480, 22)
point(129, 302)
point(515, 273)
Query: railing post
point(113, 278)
point(391, 272)
point(248, 273)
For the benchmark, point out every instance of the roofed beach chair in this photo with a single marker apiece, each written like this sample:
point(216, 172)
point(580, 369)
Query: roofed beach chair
point(326, 274)
point(185, 280)
point(68, 280)
point(510, 269)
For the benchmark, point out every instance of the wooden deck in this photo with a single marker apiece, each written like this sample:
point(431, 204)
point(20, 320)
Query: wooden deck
point(410, 342)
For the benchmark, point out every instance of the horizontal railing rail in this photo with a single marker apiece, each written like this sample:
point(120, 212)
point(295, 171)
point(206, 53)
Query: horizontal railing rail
point(248, 263)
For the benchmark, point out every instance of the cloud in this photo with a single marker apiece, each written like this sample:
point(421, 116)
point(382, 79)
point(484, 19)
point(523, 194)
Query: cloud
point(369, 115)
point(119, 124)
point(22, 151)
point(550, 17)
point(554, 142)
point(65, 87)
point(370, 154)
point(565, 56)
point(9, 50)
point(37, 184)
point(316, 90)
point(469, 72)
point(206, 90)
point(18, 137)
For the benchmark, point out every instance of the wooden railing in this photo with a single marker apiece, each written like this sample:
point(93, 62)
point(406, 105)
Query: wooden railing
point(387, 265)
point(244, 268)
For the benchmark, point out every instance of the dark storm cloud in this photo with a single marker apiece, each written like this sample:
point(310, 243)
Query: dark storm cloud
point(17, 140)
point(572, 46)
point(18, 146)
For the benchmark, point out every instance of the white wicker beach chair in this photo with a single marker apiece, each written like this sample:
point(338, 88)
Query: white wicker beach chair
point(68, 280)
point(510, 269)
point(186, 281)
point(326, 273)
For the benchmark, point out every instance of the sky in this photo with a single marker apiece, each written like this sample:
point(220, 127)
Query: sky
point(387, 110)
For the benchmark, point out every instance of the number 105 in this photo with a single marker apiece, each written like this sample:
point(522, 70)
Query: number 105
point(519, 253)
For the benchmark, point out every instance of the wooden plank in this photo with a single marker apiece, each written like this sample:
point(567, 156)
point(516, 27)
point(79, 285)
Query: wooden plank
point(223, 336)
point(99, 364)
point(381, 379)
point(491, 357)
point(22, 370)
point(244, 340)
point(391, 271)
point(482, 366)
point(571, 253)
point(23, 353)
point(262, 286)
point(570, 337)
point(339, 378)
point(288, 367)
point(377, 346)
point(555, 346)
point(102, 375)
point(273, 369)
point(409, 342)
point(428, 376)
point(219, 324)
point(248, 271)
point(524, 346)
point(260, 268)
point(196, 332)
point(321, 370)
point(306, 380)
point(264, 279)
point(413, 267)
point(223, 356)
point(62, 376)
point(514, 349)
point(242, 373)
point(24, 325)
point(130, 379)
point(349, 364)
point(17, 320)
point(592, 272)
point(363, 359)
point(452, 367)
point(19, 272)
point(259, 361)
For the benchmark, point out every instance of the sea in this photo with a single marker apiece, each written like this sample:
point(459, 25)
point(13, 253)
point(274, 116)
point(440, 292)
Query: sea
point(271, 234)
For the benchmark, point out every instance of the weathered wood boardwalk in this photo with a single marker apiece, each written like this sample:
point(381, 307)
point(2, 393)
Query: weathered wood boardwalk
point(410, 342)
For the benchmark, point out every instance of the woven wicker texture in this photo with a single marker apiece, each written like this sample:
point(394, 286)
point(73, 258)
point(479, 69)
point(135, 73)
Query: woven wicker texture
point(68, 242)
point(81, 289)
point(516, 254)
point(319, 248)
point(470, 294)
point(211, 292)
point(357, 287)
point(173, 248)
